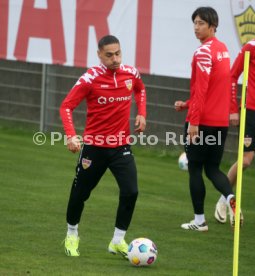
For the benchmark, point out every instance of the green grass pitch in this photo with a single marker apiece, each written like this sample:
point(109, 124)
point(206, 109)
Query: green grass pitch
point(34, 189)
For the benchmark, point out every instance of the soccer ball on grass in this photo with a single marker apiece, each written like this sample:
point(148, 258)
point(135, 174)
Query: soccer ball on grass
point(183, 162)
point(142, 252)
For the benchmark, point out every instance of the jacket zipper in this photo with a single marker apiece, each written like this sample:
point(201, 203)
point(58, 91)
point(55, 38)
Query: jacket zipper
point(115, 81)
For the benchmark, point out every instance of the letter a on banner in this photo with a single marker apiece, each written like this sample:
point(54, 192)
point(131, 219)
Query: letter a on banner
point(41, 23)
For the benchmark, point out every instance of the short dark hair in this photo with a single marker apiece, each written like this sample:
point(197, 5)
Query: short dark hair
point(207, 14)
point(106, 40)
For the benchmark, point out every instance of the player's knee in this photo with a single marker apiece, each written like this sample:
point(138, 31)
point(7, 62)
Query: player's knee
point(211, 171)
point(129, 197)
point(133, 194)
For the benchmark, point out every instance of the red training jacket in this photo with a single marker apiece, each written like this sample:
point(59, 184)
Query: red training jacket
point(108, 94)
point(236, 70)
point(209, 102)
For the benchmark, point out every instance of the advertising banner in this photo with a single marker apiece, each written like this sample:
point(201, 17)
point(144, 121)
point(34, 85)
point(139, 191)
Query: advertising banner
point(156, 36)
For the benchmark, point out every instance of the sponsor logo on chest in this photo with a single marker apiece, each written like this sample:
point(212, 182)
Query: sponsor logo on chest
point(105, 100)
point(222, 55)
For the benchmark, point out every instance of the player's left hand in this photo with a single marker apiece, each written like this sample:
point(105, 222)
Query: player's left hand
point(234, 119)
point(140, 123)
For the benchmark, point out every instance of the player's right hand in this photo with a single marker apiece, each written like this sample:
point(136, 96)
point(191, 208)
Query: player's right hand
point(74, 144)
point(180, 105)
point(192, 133)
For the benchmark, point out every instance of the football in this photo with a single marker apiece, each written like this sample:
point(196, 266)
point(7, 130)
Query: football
point(183, 162)
point(142, 252)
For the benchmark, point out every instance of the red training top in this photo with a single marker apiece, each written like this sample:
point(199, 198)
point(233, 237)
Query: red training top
point(108, 94)
point(209, 102)
point(236, 70)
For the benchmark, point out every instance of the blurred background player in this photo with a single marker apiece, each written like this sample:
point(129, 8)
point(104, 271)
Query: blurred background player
point(249, 139)
point(108, 90)
point(208, 115)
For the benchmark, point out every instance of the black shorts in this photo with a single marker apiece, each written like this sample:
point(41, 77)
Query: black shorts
point(209, 148)
point(249, 137)
point(94, 161)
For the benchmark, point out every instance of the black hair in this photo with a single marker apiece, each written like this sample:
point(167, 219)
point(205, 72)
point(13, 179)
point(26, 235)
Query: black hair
point(207, 14)
point(106, 40)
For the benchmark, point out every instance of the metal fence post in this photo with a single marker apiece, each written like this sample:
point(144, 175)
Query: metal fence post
point(43, 98)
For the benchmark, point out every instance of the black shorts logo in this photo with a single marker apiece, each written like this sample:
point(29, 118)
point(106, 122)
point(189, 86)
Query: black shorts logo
point(86, 163)
point(247, 141)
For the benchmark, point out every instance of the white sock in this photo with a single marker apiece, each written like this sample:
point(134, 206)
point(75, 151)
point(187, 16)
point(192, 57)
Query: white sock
point(222, 199)
point(199, 219)
point(72, 229)
point(118, 235)
point(229, 197)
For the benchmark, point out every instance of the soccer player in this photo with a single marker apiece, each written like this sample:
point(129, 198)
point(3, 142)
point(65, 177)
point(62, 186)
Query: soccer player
point(249, 140)
point(108, 90)
point(208, 115)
